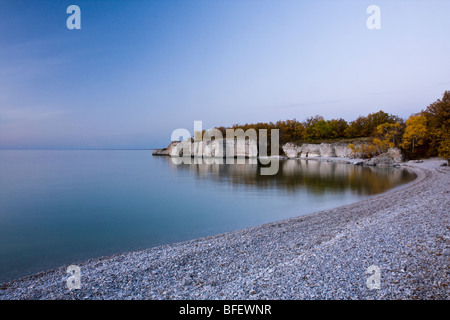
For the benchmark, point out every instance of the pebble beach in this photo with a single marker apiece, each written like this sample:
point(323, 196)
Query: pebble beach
point(404, 233)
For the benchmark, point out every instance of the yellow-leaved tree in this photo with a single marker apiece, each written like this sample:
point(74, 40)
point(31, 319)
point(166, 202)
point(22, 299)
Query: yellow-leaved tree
point(416, 133)
point(388, 135)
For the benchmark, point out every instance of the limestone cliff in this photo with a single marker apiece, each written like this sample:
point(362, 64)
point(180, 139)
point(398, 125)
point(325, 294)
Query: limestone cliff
point(215, 148)
point(341, 150)
point(249, 149)
point(309, 150)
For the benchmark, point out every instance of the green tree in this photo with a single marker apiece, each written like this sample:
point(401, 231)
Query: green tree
point(438, 124)
point(337, 128)
point(444, 146)
point(355, 128)
point(366, 126)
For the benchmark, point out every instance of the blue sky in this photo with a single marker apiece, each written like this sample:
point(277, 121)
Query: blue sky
point(137, 70)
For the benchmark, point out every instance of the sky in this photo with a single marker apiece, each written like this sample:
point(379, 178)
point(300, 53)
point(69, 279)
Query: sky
point(137, 70)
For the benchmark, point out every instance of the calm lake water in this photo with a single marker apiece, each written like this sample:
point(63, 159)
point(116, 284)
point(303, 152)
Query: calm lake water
point(60, 207)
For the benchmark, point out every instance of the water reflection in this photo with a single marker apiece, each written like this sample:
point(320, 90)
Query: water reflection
point(317, 176)
point(58, 207)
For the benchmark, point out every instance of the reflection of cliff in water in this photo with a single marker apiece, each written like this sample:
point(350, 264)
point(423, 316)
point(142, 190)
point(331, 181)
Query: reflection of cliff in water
point(316, 176)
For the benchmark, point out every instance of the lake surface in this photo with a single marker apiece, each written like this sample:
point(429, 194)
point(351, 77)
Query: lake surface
point(60, 207)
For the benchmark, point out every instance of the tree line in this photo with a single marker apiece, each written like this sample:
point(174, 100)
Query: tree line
point(423, 134)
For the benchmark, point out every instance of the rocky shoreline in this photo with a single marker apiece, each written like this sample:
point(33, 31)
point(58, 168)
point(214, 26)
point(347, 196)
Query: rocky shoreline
point(404, 232)
point(343, 153)
point(335, 152)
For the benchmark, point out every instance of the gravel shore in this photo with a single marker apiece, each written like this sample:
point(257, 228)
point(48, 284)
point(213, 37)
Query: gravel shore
point(405, 232)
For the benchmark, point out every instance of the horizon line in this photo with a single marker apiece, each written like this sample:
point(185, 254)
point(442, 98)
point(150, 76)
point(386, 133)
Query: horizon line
point(74, 149)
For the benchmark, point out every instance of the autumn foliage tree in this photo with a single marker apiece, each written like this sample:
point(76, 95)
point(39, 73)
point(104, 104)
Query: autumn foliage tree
point(438, 126)
point(424, 134)
point(444, 146)
point(415, 136)
point(388, 135)
point(365, 126)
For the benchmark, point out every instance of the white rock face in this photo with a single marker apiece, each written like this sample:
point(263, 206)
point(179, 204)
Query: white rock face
point(342, 150)
point(198, 148)
point(183, 148)
point(310, 150)
point(166, 151)
point(291, 150)
point(238, 148)
point(390, 158)
point(249, 149)
point(215, 148)
point(327, 150)
point(395, 154)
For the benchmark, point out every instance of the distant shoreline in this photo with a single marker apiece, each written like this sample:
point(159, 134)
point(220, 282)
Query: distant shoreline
point(319, 256)
point(330, 152)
